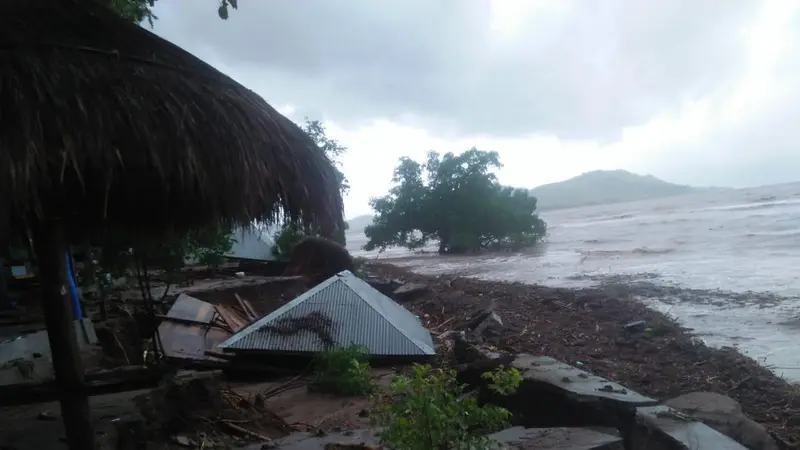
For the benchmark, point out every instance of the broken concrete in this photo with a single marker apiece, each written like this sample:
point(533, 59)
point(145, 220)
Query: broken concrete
point(663, 428)
point(512, 438)
point(577, 383)
point(316, 441)
point(556, 439)
point(492, 325)
point(409, 292)
point(725, 415)
point(554, 394)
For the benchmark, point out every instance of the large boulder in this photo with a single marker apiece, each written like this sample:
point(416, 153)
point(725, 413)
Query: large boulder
point(725, 415)
point(318, 259)
point(409, 292)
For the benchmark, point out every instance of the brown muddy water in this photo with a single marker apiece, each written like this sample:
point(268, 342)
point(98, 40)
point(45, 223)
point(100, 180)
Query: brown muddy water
point(725, 264)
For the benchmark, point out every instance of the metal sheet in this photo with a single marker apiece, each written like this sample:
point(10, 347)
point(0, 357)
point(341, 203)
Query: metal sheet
point(344, 310)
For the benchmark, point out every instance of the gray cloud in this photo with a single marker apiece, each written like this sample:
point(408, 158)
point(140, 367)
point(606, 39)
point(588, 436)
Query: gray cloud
point(583, 72)
point(763, 149)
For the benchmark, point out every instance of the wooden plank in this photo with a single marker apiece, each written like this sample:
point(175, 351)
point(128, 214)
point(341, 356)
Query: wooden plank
point(190, 308)
point(247, 308)
point(232, 318)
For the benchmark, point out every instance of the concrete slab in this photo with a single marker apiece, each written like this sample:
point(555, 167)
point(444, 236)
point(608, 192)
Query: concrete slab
point(577, 382)
point(661, 427)
point(517, 438)
point(27, 358)
point(520, 438)
point(307, 441)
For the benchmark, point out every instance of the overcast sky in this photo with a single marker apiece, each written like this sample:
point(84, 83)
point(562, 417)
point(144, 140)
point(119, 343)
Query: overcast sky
point(703, 92)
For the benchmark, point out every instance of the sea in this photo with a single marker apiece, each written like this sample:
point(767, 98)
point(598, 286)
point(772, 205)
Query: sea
point(725, 264)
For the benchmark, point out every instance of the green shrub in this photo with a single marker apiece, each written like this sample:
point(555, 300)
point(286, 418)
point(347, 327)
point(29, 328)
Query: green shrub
point(430, 410)
point(343, 371)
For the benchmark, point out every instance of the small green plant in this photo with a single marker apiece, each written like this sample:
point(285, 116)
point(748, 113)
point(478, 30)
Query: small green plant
point(503, 381)
point(343, 371)
point(430, 410)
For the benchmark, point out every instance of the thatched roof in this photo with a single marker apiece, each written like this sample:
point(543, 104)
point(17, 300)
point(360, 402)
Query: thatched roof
point(103, 121)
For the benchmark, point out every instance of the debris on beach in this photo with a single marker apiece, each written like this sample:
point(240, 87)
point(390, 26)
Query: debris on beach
point(343, 310)
point(586, 328)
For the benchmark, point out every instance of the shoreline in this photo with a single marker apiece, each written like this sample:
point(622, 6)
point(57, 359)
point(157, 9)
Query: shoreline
point(762, 324)
point(585, 327)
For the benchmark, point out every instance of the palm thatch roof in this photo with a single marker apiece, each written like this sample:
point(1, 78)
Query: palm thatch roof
point(103, 123)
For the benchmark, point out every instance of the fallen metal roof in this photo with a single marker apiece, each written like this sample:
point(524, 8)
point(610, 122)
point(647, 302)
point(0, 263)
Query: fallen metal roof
point(341, 311)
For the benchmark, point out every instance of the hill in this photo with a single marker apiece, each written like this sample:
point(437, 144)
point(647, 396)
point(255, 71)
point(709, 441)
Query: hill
point(358, 223)
point(607, 186)
point(592, 188)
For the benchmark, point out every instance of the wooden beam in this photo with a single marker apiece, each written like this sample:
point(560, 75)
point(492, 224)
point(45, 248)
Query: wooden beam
point(51, 248)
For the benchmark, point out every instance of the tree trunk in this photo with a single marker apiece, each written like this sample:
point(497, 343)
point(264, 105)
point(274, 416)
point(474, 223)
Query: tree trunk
point(50, 249)
point(5, 299)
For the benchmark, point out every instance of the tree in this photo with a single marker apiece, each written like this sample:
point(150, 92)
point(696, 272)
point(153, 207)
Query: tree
point(139, 11)
point(291, 233)
point(456, 200)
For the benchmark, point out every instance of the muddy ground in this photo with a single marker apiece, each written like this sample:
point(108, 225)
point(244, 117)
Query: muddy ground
point(586, 328)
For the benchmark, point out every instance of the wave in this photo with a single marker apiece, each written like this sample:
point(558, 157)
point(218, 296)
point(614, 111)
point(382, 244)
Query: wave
point(771, 235)
point(753, 206)
point(641, 251)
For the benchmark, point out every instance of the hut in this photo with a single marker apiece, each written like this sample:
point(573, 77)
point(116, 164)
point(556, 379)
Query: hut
point(104, 125)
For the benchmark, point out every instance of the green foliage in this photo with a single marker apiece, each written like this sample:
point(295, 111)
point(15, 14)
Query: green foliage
point(209, 245)
point(430, 410)
point(140, 11)
point(456, 200)
point(291, 233)
point(285, 239)
point(503, 381)
point(118, 253)
point(343, 371)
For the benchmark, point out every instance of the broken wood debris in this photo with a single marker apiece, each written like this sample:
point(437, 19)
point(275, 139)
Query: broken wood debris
point(192, 329)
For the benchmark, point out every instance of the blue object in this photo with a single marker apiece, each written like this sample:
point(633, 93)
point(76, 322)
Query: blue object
point(73, 289)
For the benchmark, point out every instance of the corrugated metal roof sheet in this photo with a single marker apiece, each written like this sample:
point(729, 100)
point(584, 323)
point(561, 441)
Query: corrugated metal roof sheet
point(343, 310)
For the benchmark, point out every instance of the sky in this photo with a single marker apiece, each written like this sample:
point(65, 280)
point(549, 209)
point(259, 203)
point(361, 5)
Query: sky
point(699, 92)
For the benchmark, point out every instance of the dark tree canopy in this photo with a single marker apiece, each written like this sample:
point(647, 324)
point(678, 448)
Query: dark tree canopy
point(140, 11)
point(457, 201)
point(290, 234)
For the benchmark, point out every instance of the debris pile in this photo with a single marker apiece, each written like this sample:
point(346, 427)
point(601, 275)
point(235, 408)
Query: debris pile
point(196, 410)
point(602, 332)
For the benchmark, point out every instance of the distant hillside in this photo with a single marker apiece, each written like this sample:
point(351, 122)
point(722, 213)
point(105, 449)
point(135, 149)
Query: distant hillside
point(358, 223)
point(592, 188)
point(601, 187)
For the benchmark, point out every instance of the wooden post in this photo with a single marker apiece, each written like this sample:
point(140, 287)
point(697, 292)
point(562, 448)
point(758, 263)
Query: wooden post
point(50, 248)
point(5, 299)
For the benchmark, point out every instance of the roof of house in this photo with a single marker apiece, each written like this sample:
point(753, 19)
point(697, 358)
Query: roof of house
point(251, 243)
point(341, 311)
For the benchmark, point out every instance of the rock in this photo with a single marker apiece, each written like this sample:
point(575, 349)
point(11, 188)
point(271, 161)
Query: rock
point(465, 350)
point(409, 292)
point(638, 325)
point(47, 415)
point(166, 407)
point(122, 434)
point(556, 438)
point(725, 415)
point(479, 316)
point(662, 427)
point(492, 325)
point(183, 441)
point(339, 446)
